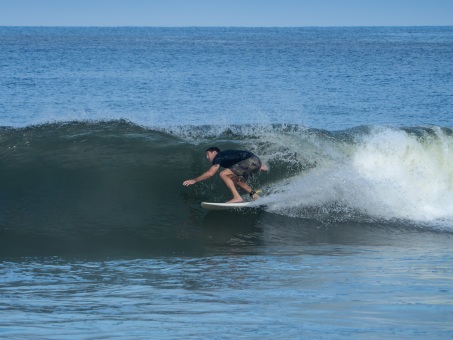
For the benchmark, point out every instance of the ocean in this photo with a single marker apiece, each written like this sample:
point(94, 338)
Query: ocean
point(353, 234)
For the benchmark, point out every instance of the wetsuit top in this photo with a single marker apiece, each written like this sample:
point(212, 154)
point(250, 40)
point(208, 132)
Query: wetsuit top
point(229, 158)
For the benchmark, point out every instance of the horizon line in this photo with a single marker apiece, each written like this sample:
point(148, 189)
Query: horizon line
point(220, 26)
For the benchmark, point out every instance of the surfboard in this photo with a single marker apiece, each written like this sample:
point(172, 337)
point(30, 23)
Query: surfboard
point(225, 206)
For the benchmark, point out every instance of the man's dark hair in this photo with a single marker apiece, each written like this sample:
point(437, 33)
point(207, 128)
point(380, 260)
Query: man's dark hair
point(213, 148)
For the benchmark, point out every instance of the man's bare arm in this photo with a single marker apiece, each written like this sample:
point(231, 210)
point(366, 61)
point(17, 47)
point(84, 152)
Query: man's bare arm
point(208, 174)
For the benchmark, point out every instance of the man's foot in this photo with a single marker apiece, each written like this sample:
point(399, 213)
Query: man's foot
point(236, 200)
point(254, 195)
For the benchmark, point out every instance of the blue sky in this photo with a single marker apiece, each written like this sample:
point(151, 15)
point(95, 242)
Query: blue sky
point(226, 12)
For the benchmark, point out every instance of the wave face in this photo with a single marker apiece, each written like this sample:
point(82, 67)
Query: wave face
point(78, 186)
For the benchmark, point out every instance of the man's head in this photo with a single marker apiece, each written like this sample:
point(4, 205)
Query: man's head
point(212, 152)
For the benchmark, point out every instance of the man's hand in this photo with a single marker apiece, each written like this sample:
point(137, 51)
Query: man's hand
point(188, 182)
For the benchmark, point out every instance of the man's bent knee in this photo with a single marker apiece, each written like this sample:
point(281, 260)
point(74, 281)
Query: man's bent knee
point(226, 173)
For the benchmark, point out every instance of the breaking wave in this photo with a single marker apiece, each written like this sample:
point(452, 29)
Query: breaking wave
point(90, 181)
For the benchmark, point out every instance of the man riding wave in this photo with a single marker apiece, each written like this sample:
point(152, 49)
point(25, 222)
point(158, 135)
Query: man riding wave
point(238, 166)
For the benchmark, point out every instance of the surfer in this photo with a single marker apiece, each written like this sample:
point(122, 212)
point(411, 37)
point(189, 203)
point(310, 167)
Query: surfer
point(238, 166)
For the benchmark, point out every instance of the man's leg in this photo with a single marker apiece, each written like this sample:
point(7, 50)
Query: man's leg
point(239, 181)
point(246, 167)
point(227, 176)
point(242, 184)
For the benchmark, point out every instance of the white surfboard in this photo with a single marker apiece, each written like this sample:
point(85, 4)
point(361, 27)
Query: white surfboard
point(225, 206)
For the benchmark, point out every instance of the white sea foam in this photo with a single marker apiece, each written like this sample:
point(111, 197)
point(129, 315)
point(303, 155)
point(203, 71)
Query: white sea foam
point(414, 177)
point(386, 174)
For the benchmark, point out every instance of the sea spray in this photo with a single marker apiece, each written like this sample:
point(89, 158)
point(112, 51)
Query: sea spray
point(411, 175)
point(378, 173)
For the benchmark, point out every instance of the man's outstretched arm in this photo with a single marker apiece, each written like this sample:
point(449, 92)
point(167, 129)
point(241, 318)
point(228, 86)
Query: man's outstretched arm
point(208, 174)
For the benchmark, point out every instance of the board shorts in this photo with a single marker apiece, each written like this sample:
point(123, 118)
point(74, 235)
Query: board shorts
point(246, 167)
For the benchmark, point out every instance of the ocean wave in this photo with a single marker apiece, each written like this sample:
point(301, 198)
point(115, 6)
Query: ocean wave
point(408, 169)
point(87, 180)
